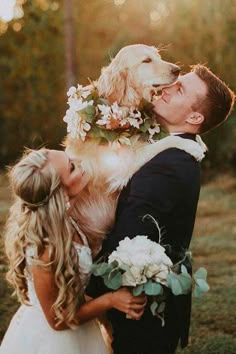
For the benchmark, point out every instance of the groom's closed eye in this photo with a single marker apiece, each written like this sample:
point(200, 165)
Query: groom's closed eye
point(72, 167)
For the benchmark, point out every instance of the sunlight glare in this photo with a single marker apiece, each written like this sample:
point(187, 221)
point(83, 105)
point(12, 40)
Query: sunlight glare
point(7, 10)
point(110, 160)
point(119, 2)
point(17, 26)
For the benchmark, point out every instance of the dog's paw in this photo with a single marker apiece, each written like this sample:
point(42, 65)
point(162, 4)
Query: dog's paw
point(195, 148)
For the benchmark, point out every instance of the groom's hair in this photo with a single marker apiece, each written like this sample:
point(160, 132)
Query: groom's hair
point(218, 103)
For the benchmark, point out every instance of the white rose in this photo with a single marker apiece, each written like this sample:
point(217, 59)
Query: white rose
point(162, 274)
point(120, 258)
point(140, 260)
point(151, 270)
point(133, 277)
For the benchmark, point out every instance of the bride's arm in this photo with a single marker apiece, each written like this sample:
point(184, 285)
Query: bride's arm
point(46, 291)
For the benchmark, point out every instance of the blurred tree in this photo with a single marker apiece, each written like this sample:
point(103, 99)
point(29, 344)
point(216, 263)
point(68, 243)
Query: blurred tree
point(32, 84)
point(32, 61)
point(70, 58)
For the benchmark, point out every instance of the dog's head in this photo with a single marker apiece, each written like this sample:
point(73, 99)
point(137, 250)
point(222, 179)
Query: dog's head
point(134, 73)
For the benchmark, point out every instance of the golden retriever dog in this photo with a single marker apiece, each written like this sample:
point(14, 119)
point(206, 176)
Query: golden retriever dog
point(135, 72)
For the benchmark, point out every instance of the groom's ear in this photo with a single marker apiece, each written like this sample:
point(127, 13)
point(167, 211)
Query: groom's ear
point(195, 118)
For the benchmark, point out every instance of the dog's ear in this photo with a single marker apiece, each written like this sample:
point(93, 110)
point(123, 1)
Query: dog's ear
point(117, 84)
point(112, 82)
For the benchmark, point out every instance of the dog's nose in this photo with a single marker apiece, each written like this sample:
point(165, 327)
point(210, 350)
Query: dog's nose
point(175, 70)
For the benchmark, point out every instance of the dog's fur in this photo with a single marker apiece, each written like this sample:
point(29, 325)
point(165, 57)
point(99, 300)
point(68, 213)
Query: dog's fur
point(134, 73)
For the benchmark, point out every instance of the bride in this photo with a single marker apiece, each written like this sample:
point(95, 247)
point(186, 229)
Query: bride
point(49, 262)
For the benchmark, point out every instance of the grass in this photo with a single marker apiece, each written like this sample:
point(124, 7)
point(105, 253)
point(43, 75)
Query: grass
point(213, 325)
point(214, 247)
point(8, 303)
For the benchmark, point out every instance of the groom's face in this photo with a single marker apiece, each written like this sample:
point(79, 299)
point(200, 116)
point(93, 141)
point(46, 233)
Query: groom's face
point(175, 105)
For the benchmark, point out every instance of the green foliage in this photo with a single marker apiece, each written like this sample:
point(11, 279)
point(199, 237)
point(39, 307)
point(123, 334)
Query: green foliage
point(201, 285)
point(152, 288)
point(32, 65)
point(32, 100)
point(180, 283)
point(213, 325)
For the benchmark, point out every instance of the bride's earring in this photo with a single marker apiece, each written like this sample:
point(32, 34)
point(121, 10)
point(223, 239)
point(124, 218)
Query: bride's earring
point(67, 202)
point(68, 205)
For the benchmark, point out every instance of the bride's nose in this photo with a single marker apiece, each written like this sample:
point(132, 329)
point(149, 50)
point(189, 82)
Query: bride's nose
point(77, 162)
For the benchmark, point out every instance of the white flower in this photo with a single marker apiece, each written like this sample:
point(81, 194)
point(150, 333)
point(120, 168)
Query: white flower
point(77, 126)
point(77, 104)
point(116, 111)
point(133, 277)
point(153, 131)
point(134, 119)
point(144, 258)
point(82, 128)
point(71, 118)
point(110, 116)
point(71, 91)
point(161, 275)
point(85, 91)
point(104, 109)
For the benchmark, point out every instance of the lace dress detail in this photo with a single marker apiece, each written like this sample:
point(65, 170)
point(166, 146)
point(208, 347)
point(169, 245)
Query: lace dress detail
point(29, 331)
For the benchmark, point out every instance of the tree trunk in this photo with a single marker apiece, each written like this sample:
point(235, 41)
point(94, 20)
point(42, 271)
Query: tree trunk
point(70, 43)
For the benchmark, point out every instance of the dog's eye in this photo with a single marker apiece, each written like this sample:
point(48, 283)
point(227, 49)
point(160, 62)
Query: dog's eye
point(147, 60)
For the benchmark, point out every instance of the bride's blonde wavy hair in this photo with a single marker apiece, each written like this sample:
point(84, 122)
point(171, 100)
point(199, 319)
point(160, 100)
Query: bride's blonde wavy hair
point(38, 218)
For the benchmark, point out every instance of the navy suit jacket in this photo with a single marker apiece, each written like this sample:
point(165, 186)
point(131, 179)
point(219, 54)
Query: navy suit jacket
point(167, 187)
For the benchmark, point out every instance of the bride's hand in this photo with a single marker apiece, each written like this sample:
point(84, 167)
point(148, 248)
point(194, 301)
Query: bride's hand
point(124, 301)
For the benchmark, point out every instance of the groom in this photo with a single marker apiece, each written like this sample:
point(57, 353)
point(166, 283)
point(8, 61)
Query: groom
point(167, 187)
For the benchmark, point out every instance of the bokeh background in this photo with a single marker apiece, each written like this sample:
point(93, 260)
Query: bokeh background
point(46, 46)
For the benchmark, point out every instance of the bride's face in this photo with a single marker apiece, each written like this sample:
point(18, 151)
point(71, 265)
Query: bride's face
point(71, 173)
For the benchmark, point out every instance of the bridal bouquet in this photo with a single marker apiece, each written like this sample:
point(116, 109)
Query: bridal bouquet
point(144, 265)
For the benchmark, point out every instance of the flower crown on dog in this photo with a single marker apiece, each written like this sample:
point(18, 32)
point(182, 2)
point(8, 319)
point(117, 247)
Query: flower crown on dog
point(91, 116)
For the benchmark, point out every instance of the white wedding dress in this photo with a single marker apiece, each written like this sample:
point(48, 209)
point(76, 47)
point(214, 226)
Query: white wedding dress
point(30, 333)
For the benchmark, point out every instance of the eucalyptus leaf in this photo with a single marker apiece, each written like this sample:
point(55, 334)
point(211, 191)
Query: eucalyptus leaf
point(90, 110)
point(93, 96)
point(184, 269)
point(161, 307)
point(115, 264)
point(202, 285)
point(201, 273)
point(114, 279)
point(174, 284)
point(197, 292)
point(103, 101)
point(100, 269)
point(90, 118)
point(109, 135)
point(185, 281)
point(153, 307)
point(144, 127)
point(152, 288)
point(138, 290)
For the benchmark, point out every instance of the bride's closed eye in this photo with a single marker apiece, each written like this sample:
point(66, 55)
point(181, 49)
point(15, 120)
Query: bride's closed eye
point(72, 167)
